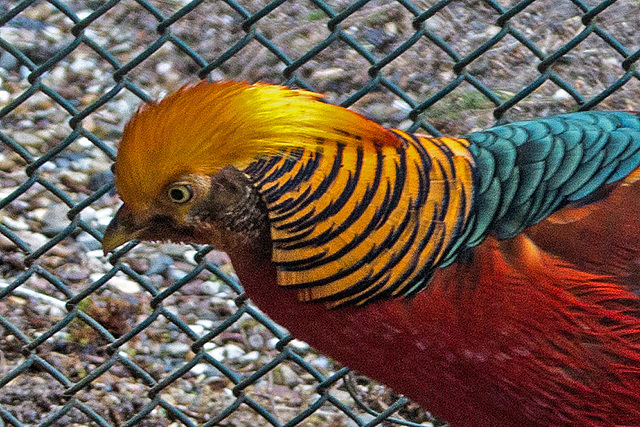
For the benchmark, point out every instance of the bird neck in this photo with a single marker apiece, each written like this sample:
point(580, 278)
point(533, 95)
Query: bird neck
point(354, 223)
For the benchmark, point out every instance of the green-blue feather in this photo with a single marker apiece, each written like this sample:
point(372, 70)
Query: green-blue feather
point(527, 170)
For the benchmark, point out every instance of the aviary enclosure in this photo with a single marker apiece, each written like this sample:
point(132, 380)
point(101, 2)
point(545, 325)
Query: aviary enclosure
point(162, 335)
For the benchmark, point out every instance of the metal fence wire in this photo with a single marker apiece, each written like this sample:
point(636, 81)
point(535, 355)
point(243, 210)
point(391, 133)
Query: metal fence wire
point(162, 335)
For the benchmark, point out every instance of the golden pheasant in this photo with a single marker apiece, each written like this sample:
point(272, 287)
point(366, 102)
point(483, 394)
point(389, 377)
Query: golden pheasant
point(491, 278)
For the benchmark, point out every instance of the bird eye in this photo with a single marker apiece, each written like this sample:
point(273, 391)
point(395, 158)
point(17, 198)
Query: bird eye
point(180, 193)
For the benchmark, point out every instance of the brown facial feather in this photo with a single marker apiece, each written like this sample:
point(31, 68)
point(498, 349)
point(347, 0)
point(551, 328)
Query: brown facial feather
point(225, 210)
point(233, 214)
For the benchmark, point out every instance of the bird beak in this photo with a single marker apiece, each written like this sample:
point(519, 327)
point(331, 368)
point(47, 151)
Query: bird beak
point(122, 228)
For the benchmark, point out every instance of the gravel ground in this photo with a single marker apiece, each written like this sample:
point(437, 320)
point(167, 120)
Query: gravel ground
point(35, 124)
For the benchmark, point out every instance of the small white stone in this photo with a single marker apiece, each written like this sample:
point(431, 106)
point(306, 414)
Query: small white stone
point(84, 142)
point(561, 95)
point(35, 240)
point(234, 351)
point(125, 285)
point(27, 138)
point(190, 256)
point(211, 287)
point(205, 323)
point(173, 310)
point(15, 224)
point(96, 276)
point(284, 375)
point(218, 353)
point(5, 97)
point(299, 345)
point(96, 254)
point(58, 74)
point(163, 67)
point(197, 329)
point(104, 221)
point(94, 89)
point(329, 73)
point(56, 312)
point(200, 368)
point(255, 341)
point(88, 214)
point(48, 166)
point(5, 192)
point(227, 352)
point(401, 105)
point(81, 165)
point(82, 64)
point(174, 250)
point(177, 348)
point(38, 214)
point(252, 356)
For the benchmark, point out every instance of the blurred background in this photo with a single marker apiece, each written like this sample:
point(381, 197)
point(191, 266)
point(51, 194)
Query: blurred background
point(161, 335)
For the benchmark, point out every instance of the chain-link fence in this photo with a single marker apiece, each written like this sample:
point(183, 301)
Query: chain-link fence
point(162, 334)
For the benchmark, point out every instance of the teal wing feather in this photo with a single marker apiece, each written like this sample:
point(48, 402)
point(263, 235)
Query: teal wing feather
point(527, 170)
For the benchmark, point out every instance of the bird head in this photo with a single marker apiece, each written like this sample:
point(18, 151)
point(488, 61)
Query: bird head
point(179, 165)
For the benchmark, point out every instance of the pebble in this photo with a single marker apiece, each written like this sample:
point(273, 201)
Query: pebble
point(5, 97)
point(159, 263)
point(174, 250)
point(206, 324)
point(364, 419)
point(98, 179)
point(126, 286)
point(561, 95)
point(272, 342)
point(34, 240)
point(190, 256)
point(56, 219)
point(255, 341)
point(329, 73)
point(104, 217)
point(96, 253)
point(197, 329)
point(15, 224)
point(233, 351)
point(27, 138)
point(5, 192)
point(48, 166)
point(89, 242)
point(401, 105)
point(176, 274)
point(300, 346)
point(81, 65)
point(204, 369)
point(226, 352)
point(163, 67)
point(252, 356)
point(176, 348)
point(8, 61)
point(211, 287)
point(38, 214)
point(321, 363)
point(73, 272)
point(88, 214)
point(285, 375)
point(6, 243)
point(434, 23)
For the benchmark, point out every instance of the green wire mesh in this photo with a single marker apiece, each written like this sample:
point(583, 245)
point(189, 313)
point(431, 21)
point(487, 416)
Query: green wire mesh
point(163, 334)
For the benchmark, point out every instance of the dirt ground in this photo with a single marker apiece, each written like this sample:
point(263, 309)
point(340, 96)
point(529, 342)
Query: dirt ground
point(84, 342)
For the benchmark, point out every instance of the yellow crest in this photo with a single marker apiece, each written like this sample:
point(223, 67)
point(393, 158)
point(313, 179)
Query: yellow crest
point(204, 127)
